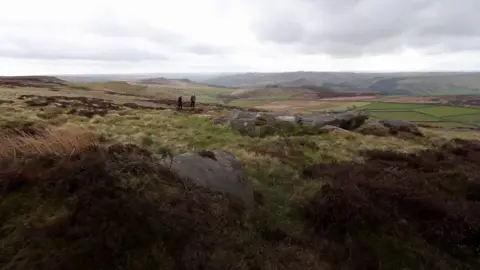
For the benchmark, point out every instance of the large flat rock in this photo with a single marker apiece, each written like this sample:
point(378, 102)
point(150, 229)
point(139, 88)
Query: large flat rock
point(218, 170)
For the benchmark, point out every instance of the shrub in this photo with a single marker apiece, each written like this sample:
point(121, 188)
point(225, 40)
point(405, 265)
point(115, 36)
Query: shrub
point(402, 198)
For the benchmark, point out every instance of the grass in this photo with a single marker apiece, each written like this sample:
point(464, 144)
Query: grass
point(275, 165)
point(257, 101)
point(442, 111)
point(203, 94)
point(470, 118)
point(395, 106)
point(406, 115)
point(439, 115)
point(56, 141)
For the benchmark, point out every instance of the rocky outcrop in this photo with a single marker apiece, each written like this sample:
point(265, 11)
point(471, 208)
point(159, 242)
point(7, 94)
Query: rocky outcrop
point(329, 129)
point(348, 120)
point(399, 127)
point(267, 123)
point(218, 170)
point(261, 123)
point(373, 127)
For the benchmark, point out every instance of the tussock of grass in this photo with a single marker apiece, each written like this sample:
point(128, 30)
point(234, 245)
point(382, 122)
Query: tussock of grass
point(116, 207)
point(49, 141)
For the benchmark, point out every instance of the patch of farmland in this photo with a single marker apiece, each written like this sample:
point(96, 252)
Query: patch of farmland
point(405, 115)
point(442, 111)
point(395, 106)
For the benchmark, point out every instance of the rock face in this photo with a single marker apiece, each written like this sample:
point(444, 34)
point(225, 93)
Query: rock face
point(396, 127)
point(263, 123)
point(218, 170)
point(260, 124)
point(348, 120)
point(329, 129)
point(373, 127)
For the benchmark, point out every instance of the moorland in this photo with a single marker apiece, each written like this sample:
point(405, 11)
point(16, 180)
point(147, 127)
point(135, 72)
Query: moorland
point(89, 179)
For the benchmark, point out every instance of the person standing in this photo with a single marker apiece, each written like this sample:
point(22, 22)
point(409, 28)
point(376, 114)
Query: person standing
point(192, 101)
point(179, 103)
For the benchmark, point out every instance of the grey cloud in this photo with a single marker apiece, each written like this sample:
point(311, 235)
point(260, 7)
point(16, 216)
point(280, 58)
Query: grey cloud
point(207, 49)
point(120, 27)
point(348, 28)
point(55, 50)
point(117, 29)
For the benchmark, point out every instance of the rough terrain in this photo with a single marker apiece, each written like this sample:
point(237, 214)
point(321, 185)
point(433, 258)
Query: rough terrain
point(141, 187)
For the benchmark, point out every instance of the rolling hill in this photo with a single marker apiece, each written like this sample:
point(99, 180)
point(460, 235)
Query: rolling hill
point(425, 83)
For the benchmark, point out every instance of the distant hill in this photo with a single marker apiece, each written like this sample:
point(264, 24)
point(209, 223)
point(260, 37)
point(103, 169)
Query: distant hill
point(136, 76)
point(159, 80)
point(31, 81)
point(176, 82)
point(420, 83)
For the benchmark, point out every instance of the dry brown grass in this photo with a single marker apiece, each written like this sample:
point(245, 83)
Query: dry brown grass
point(57, 141)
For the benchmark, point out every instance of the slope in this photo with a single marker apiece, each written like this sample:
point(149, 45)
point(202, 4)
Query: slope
point(388, 83)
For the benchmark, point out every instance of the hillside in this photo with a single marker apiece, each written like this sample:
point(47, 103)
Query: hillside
point(101, 192)
point(30, 81)
point(386, 83)
point(176, 82)
point(111, 183)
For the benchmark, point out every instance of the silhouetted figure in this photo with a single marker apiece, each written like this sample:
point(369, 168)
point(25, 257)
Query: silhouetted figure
point(179, 103)
point(192, 101)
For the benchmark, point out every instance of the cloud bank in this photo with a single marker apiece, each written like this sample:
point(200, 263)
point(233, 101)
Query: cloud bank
point(238, 35)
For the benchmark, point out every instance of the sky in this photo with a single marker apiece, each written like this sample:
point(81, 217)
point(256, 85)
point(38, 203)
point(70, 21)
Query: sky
point(126, 36)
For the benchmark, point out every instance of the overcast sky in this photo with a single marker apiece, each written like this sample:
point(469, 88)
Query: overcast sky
point(111, 36)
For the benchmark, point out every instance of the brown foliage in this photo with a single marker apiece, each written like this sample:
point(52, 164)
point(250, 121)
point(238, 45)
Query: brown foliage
point(46, 141)
point(432, 195)
point(117, 208)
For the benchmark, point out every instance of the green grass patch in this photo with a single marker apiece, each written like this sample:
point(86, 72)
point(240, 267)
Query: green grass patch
point(407, 115)
point(469, 119)
point(441, 111)
point(452, 124)
point(395, 106)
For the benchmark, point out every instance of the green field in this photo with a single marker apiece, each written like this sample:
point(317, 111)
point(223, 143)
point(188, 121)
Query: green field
point(468, 118)
point(203, 94)
point(395, 106)
point(258, 101)
point(407, 115)
point(442, 111)
point(439, 115)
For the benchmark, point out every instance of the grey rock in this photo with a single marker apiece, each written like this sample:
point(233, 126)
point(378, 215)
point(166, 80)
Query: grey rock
point(286, 118)
point(348, 120)
point(220, 121)
point(373, 127)
point(397, 126)
point(218, 170)
point(328, 129)
point(260, 123)
point(239, 114)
